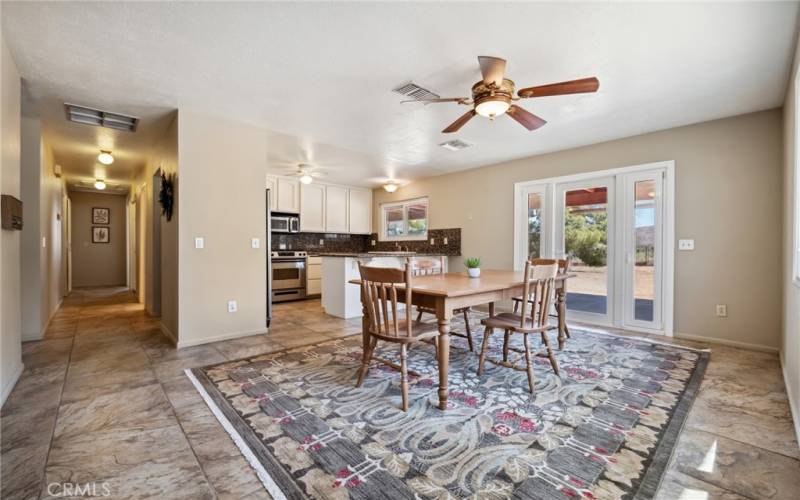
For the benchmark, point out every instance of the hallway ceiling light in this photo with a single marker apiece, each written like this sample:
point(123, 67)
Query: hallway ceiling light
point(99, 118)
point(390, 187)
point(105, 157)
point(99, 184)
point(306, 178)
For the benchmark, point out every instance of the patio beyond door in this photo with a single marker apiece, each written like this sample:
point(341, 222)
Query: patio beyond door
point(615, 228)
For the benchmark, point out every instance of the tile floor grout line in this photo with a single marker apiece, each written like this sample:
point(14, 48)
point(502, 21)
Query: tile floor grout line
point(58, 408)
point(697, 429)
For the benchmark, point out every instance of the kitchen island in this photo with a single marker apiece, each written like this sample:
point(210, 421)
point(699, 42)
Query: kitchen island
point(342, 299)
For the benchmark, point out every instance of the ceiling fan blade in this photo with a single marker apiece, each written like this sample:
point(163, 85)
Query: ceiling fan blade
point(439, 99)
point(493, 69)
point(525, 117)
point(582, 86)
point(453, 127)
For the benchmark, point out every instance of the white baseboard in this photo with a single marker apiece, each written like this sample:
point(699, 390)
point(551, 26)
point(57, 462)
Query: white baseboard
point(226, 336)
point(28, 337)
point(793, 408)
point(731, 343)
point(11, 383)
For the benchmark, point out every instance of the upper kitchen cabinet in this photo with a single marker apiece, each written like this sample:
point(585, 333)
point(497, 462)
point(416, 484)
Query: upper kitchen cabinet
point(336, 209)
point(272, 185)
point(288, 198)
point(360, 211)
point(312, 207)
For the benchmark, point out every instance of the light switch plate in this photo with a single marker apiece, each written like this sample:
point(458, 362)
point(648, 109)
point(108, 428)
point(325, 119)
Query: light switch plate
point(199, 243)
point(232, 306)
point(373, 242)
point(722, 311)
point(433, 241)
point(44, 241)
point(281, 246)
point(255, 243)
point(445, 241)
point(685, 244)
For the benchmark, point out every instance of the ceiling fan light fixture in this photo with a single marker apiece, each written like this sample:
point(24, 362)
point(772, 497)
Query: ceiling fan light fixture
point(490, 108)
point(105, 157)
point(390, 187)
point(306, 178)
point(99, 184)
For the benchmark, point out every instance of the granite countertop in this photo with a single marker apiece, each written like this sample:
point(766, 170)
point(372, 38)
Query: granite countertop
point(374, 254)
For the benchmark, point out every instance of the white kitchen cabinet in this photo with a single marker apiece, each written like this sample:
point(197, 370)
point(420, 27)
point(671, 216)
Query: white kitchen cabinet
point(288, 198)
point(336, 209)
point(314, 276)
point(360, 211)
point(272, 185)
point(312, 208)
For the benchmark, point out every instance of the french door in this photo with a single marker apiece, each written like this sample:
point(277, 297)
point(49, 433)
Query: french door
point(616, 231)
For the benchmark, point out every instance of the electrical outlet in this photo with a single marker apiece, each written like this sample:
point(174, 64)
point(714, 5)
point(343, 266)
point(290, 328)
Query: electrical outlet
point(372, 242)
point(685, 244)
point(281, 246)
point(433, 241)
point(255, 243)
point(199, 243)
point(722, 311)
point(321, 242)
point(445, 241)
point(232, 306)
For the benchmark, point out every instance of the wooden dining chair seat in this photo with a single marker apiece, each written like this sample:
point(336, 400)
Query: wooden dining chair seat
point(381, 291)
point(464, 311)
point(533, 319)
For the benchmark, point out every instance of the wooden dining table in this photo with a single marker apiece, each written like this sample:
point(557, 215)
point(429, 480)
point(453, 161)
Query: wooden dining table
point(446, 292)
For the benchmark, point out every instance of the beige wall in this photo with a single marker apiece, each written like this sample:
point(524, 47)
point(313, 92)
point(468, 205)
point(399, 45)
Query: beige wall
point(162, 156)
point(10, 296)
point(98, 264)
point(790, 339)
point(728, 174)
point(222, 198)
point(42, 278)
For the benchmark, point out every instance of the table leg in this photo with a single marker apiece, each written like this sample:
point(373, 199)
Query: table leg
point(491, 309)
point(364, 331)
point(444, 360)
point(561, 306)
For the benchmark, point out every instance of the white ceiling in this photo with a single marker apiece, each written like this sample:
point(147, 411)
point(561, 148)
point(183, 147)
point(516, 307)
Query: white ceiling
point(320, 75)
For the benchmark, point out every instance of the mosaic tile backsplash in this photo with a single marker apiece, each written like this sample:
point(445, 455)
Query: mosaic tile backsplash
point(360, 243)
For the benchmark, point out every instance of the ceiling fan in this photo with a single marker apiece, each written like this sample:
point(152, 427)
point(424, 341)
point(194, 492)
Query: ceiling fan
point(306, 173)
point(494, 95)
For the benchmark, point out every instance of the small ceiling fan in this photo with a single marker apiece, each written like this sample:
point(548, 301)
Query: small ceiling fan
point(494, 95)
point(306, 173)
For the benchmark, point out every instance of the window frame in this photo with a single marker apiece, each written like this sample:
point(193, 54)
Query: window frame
point(383, 236)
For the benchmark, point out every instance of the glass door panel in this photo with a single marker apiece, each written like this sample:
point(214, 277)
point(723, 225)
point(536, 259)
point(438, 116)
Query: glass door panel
point(643, 250)
point(535, 212)
point(584, 225)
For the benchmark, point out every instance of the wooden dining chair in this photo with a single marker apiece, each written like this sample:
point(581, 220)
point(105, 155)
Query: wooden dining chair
point(379, 296)
point(563, 268)
point(533, 318)
point(426, 271)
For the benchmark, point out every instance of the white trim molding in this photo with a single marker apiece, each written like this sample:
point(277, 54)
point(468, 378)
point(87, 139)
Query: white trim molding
point(226, 336)
point(11, 384)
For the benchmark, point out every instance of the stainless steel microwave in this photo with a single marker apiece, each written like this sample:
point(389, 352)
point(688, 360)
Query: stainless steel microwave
point(285, 224)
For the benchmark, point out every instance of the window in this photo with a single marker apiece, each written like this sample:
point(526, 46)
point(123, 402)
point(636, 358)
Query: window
point(405, 220)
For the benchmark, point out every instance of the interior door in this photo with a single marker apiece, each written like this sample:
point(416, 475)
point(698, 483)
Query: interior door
point(643, 255)
point(584, 229)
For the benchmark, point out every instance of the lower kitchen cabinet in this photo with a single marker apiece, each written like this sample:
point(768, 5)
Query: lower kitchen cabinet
point(314, 276)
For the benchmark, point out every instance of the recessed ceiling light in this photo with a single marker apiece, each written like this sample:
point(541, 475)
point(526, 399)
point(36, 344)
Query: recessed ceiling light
point(99, 184)
point(105, 157)
point(390, 187)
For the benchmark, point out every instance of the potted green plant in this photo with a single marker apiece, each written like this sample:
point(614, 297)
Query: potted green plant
point(473, 266)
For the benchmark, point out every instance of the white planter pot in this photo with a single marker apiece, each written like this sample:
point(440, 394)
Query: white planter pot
point(474, 272)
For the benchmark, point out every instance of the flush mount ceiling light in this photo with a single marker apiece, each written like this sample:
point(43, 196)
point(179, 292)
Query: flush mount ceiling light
point(105, 157)
point(100, 184)
point(390, 187)
point(306, 178)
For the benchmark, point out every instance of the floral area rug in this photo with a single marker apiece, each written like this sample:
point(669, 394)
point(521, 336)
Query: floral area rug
point(605, 428)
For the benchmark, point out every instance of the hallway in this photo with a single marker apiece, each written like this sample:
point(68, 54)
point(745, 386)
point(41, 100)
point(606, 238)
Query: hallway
point(103, 399)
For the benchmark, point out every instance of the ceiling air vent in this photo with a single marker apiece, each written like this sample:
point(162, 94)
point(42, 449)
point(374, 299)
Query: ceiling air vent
point(414, 91)
point(98, 118)
point(456, 145)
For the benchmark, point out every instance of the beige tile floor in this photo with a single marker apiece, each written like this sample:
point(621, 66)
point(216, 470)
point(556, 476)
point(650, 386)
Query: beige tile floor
point(103, 401)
